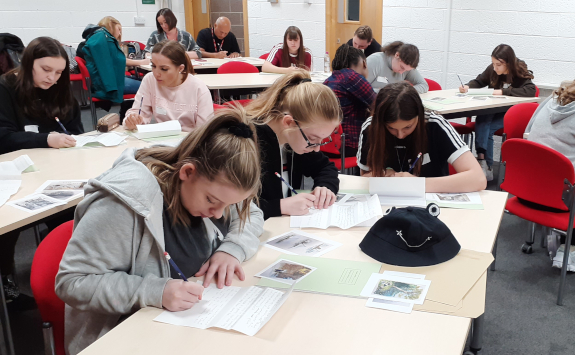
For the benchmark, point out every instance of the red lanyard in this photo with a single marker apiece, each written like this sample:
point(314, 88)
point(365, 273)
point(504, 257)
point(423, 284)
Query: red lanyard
point(213, 39)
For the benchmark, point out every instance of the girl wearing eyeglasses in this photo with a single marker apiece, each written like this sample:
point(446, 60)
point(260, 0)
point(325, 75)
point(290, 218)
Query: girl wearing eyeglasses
point(294, 118)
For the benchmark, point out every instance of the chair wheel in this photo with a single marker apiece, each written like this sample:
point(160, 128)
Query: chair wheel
point(527, 249)
point(469, 352)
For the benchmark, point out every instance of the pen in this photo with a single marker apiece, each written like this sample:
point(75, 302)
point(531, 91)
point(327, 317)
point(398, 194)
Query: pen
point(285, 182)
point(175, 266)
point(460, 80)
point(61, 125)
point(141, 102)
point(415, 162)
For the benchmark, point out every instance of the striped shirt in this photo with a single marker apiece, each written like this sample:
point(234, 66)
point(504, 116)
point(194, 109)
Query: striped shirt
point(444, 146)
point(184, 38)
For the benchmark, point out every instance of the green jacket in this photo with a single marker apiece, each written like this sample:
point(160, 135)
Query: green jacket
point(106, 63)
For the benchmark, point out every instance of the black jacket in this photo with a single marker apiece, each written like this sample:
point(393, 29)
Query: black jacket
point(12, 122)
point(522, 87)
point(315, 165)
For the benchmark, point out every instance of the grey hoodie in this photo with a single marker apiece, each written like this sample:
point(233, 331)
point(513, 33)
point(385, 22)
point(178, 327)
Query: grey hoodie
point(553, 125)
point(114, 263)
point(380, 74)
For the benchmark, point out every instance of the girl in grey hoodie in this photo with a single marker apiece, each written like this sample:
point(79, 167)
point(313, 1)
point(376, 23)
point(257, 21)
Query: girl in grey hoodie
point(194, 201)
point(553, 123)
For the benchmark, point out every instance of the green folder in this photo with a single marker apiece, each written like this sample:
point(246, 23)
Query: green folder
point(332, 276)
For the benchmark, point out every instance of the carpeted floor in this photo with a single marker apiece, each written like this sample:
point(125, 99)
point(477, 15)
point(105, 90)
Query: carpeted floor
point(521, 315)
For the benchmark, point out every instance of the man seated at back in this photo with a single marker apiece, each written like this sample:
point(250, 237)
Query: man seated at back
point(218, 41)
point(363, 39)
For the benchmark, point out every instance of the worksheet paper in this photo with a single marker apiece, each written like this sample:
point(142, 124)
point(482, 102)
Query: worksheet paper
point(64, 190)
point(462, 200)
point(11, 176)
point(399, 191)
point(480, 92)
point(396, 306)
point(243, 309)
point(342, 216)
point(168, 128)
point(110, 139)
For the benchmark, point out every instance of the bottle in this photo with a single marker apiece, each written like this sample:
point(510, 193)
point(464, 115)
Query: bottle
point(326, 67)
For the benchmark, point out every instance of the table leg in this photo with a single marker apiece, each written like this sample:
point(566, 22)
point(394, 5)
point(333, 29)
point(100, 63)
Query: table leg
point(6, 344)
point(477, 335)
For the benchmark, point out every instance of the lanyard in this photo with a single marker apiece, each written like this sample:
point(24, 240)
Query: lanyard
point(213, 39)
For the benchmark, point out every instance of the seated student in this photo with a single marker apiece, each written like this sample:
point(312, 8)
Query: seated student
point(294, 117)
point(508, 76)
point(195, 202)
point(363, 39)
point(166, 23)
point(396, 62)
point(552, 123)
point(171, 92)
point(218, 41)
point(31, 97)
point(355, 94)
point(289, 55)
point(399, 130)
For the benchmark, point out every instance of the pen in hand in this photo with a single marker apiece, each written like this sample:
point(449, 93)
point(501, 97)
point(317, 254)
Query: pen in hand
point(62, 126)
point(415, 162)
point(175, 266)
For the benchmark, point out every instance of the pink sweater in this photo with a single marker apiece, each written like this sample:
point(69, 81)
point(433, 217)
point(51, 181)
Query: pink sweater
point(190, 103)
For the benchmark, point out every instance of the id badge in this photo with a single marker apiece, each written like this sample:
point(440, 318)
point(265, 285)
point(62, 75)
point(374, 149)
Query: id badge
point(382, 79)
point(425, 159)
point(31, 128)
point(161, 110)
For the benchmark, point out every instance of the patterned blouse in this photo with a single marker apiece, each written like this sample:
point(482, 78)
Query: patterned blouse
point(184, 38)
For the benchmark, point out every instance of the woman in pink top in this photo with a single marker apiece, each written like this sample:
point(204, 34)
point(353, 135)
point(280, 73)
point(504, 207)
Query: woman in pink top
point(170, 91)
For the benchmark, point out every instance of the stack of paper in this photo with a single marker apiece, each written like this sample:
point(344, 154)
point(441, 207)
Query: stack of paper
point(243, 309)
point(342, 216)
point(168, 128)
point(399, 191)
point(105, 139)
point(51, 194)
point(10, 176)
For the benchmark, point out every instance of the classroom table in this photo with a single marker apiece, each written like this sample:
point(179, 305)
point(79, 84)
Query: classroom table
point(470, 107)
point(211, 65)
point(322, 324)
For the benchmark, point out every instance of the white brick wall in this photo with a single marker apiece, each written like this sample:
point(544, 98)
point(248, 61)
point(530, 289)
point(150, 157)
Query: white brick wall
point(539, 31)
point(268, 21)
point(66, 19)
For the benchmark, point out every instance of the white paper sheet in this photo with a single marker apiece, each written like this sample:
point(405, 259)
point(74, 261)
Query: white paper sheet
point(110, 139)
point(11, 170)
point(301, 243)
point(168, 128)
point(480, 92)
point(36, 203)
point(463, 198)
point(244, 309)
point(373, 288)
point(343, 216)
point(396, 306)
point(399, 191)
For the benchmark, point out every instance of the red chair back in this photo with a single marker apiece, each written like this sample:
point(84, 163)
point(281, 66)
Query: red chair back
point(237, 67)
point(232, 103)
point(536, 91)
point(218, 107)
point(264, 56)
point(83, 70)
point(335, 145)
point(433, 85)
point(535, 173)
point(517, 118)
point(43, 277)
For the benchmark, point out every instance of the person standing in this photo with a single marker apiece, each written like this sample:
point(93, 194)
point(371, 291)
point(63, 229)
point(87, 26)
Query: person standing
point(218, 41)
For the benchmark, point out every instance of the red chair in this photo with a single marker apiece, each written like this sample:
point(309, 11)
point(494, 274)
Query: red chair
point(552, 187)
point(337, 141)
point(244, 102)
point(42, 279)
point(264, 56)
point(218, 107)
point(237, 67)
point(87, 86)
point(433, 85)
point(499, 132)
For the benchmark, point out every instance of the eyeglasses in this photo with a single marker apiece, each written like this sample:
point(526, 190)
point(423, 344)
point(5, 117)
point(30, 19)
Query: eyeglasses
point(310, 144)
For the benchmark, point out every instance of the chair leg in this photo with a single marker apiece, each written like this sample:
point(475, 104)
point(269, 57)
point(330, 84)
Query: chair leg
point(48, 333)
point(37, 235)
point(527, 248)
point(494, 252)
point(545, 232)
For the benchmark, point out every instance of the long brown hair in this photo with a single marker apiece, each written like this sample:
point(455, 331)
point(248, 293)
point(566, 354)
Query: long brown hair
point(408, 53)
point(42, 105)
point(292, 33)
point(565, 94)
point(398, 101)
point(176, 53)
point(216, 153)
point(515, 67)
point(294, 93)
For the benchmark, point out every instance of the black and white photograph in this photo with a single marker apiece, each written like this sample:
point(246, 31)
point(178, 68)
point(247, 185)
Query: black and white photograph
point(301, 243)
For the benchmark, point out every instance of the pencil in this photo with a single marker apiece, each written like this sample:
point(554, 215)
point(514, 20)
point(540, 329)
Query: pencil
point(141, 102)
point(175, 266)
point(285, 182)
point(415, 162)
point(61, 125)
point(460, 80)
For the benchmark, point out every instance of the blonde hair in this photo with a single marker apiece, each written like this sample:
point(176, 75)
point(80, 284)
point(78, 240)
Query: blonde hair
point(109, 23)
point(293, 94)
point(216, 153)
point(566, 93)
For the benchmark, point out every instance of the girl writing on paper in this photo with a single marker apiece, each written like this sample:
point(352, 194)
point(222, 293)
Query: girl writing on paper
point(289, 55)
point(507, 75)
point(396, 62)
point(400, 129)
point(195, 202)
point(294, 118)
point(171, 92)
